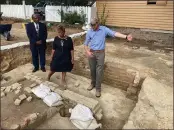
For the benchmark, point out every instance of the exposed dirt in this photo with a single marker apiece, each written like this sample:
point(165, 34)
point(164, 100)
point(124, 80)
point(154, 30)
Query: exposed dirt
point(155, 36)
point(150, 62)
point(18, 33)
point(57, 122)
point(151, 45)
point(11, 114)
point(7, 22)
point(148, 58)
point(16, 20)
point(115, 108)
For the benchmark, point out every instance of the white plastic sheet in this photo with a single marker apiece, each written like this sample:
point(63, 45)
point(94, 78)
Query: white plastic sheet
point(81, 112)
point(53, 99)
point(41, 91)
point(82, 117)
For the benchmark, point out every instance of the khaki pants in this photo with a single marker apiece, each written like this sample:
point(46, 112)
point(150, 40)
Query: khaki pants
point(96, 64)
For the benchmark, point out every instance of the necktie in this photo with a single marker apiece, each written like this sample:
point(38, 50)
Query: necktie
point(37, 29)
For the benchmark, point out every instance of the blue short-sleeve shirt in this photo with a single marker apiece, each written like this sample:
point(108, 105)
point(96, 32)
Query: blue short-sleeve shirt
point(96, 39)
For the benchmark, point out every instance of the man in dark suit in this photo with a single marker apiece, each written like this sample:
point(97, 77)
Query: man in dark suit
point(37, 34)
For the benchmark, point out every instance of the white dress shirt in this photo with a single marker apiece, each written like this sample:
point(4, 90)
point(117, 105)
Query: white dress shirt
point(36, 27)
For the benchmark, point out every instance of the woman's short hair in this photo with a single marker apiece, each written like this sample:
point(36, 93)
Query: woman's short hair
point(61, 27)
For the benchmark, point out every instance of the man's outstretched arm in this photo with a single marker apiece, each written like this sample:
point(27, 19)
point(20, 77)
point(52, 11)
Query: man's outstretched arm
point(120, 35)
point(117, 34)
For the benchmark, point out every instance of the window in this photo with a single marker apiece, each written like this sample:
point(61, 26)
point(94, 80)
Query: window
point(151, 2)
point(157, 2)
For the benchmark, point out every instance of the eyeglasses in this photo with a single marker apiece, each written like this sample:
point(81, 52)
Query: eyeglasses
point(93, 25)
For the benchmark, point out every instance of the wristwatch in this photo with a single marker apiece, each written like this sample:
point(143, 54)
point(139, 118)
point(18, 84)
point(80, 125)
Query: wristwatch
point(126, 37)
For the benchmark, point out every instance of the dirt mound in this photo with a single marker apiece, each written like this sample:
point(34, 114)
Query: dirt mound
point(15, 20)
point(7, 22)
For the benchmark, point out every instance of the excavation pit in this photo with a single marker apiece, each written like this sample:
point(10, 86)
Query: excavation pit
point(124, 73)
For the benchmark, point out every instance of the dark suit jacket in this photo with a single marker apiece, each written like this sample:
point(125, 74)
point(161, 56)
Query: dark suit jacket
point(32, 34)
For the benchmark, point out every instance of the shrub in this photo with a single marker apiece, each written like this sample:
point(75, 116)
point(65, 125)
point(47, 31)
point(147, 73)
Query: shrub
point(103, 17)
point(72, 17)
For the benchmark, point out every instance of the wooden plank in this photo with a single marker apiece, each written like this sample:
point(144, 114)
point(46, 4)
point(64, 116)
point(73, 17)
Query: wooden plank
point(126, 8)
point(133, 5)
point(137, 16)
point(143, 11)
point(127, 2)
point(140, 23)
point(140, 20)
point(134, 10)
point(150, 18)
point(153, 16)
point(144, 26)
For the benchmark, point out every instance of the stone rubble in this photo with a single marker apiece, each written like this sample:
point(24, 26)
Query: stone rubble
point(17, 102)
point(137, 79)
point(77, 83)
point(33, 85)
point(8, 88)
point(169, 64)
point(17, 91)
point(28, 90)
point(22, 97)
point(19, 87)
point(2, 94)
point(33, 117)
point(15, 127)
point(15, 86)
point(29, 99)
point(3, 88)
point(73, 97)
point(50, 84)
point(34, 78)
point(38, 81)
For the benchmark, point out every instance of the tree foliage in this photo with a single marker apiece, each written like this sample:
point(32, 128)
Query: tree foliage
point(73, 17)
point(61, 2)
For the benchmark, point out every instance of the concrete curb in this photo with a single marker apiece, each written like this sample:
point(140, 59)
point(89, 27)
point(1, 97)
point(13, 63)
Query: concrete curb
point(6, 47)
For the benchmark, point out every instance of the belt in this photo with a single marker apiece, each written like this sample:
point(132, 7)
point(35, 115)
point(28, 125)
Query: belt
point(98, 51)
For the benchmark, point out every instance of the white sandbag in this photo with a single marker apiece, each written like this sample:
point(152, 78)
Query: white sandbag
point(41, 91)
point(53, 99)
point(56, 104)
point(82, 117)
point(91, 124)
point(81, 112)
point(94, 125)
point(81, 124)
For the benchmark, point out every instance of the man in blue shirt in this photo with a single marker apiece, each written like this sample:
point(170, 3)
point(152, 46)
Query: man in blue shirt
point(94, 46)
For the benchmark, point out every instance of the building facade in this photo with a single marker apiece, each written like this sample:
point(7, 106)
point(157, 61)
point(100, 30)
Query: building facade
point(147, 14)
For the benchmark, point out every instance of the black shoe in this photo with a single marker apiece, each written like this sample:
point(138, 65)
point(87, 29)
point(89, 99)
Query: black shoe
point(98, 94)
point(90, 87)
point(43, 69)
point(35, 70)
